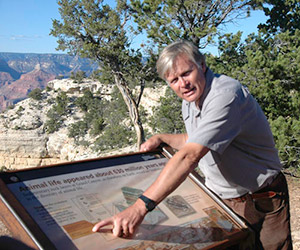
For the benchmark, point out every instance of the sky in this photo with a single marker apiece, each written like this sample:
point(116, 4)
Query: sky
point(25, 26)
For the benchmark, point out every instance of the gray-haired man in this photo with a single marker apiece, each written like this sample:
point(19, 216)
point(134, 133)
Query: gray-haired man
point(229, 137)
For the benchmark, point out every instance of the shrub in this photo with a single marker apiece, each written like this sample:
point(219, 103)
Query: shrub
point(77, 130)
point(97, 126)
point(52, 125)
point(78, 76)
point(167, 117)
point(85, 101)
point(56, 113)
point(20, 110)
point(115, 136)
point(48, 89)
point(36, 94)
point(92, 107)
point(286, 133)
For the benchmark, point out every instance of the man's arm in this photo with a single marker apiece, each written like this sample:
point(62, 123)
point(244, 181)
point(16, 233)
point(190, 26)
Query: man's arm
point(173, 174)
point(176, 171)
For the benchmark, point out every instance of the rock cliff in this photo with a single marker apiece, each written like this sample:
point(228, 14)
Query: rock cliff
point(24, 142)
point(20, 73)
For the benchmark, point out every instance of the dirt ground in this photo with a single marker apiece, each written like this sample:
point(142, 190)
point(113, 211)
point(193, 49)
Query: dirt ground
point(294, 190)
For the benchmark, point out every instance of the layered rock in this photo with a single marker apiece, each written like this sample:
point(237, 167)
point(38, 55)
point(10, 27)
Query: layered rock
point(24, 142)
point(20, 73)
point(15, 91)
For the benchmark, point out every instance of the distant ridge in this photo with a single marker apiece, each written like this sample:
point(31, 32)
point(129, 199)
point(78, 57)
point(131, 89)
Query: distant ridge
point(20, 73)
point(59, 64)
point(6, 69)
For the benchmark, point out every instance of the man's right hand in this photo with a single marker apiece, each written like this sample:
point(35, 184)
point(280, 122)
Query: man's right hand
point(176, 141)
point(125, 223)
point(151, 143)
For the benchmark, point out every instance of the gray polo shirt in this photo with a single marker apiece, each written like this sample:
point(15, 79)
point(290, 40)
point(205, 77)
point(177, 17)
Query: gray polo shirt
point(229, 121)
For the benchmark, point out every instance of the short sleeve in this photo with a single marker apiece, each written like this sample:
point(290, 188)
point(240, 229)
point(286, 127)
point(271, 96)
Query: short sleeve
point(219, 122)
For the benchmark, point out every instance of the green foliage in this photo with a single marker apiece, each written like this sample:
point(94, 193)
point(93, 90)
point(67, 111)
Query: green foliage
point(196, 21)
point(232, 54)
point(61, 106)
point(78, 130)
point(268, 66)
point(97, 126)
point(78, 76)
point(3, 169)
point(92, 29)
point(57, 112)
point(284, 15)
point(117, 133)
point(85, 101)
point(102, 119)
point(272, 74)
point(114, 137)
point(116, 111)
point(92, 122)
point(36, 94)
point(286, 133)
point(20, 111)
point(96, 75)
point(167, 117)
point(54, 122)
point(48, 89)
point(144, 114)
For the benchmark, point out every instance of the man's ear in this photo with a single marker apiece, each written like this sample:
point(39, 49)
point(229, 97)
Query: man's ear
point(203, 66)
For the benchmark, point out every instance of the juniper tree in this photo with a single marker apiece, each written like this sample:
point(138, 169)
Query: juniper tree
point(95, 30)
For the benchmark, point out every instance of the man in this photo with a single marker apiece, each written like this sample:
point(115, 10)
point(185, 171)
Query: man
point(230, 136)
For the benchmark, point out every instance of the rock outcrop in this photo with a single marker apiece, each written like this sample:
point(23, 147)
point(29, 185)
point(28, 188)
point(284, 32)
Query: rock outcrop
point(24, 142)
point(20, 73)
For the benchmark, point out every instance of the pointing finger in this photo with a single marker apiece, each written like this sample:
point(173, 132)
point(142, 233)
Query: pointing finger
point(102, 224)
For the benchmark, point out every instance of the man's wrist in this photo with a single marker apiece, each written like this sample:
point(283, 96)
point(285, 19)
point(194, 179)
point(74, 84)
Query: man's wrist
point(149, 204)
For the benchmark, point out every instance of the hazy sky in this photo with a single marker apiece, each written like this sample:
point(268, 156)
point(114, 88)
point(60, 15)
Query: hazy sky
point(25, 25)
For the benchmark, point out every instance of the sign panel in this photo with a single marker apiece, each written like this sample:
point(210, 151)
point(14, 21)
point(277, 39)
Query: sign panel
point(65, 201)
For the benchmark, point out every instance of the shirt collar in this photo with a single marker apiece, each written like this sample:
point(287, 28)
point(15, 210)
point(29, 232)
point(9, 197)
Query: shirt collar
point(209, 76)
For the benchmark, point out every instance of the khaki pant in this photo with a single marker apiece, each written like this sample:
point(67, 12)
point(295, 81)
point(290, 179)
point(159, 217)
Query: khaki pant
point(268, 217)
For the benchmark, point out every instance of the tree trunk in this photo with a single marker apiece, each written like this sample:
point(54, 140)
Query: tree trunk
point(132, 108)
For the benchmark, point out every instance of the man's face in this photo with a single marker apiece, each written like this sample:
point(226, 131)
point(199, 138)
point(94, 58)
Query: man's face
point(186, 79)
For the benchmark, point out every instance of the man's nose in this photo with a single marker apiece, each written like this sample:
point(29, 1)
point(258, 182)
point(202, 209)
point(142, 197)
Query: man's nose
point(183, 82)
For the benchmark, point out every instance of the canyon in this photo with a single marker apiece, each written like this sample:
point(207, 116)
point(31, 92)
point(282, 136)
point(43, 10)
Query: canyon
point(20, 73)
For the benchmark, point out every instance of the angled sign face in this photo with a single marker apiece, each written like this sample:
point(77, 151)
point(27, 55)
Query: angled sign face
point(58, 205)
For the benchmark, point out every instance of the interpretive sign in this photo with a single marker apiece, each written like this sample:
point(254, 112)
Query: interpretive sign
point(58, 205)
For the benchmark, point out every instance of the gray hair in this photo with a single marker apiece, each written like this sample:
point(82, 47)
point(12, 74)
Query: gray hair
point(170, 53)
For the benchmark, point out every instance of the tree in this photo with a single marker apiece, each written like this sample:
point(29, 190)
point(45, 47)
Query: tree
point(57, 113)
point(268, 66)
point(284, 15)
point(196, 21)
point(92, 121)
point(286, 131)
point(78, 76)
point(167, 117)
point(92, 29)
point(36, 94)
